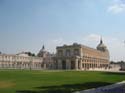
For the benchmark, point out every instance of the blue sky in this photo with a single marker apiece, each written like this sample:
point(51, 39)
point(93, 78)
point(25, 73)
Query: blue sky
point(25, 25)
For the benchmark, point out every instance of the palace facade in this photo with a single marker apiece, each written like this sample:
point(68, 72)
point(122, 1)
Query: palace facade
point(81, 57)
point(24, 61)
point(67, 57)
point(20, 62)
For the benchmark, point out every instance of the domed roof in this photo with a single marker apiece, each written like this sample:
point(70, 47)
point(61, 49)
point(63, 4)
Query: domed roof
point(101, 46)
point(41, 52)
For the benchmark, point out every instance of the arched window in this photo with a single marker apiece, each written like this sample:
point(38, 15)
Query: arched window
point(60, 53)
point(68, 52)
point(76, 51)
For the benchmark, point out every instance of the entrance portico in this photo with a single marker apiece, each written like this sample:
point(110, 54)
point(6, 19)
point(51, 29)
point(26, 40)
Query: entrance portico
point(69, 64)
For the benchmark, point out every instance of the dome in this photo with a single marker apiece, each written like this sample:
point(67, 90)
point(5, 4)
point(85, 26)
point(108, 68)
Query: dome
point(101, 46)
point(42, 52)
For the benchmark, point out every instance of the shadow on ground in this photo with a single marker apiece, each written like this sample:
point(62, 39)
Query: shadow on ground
point(115, 73)
point(65, 88)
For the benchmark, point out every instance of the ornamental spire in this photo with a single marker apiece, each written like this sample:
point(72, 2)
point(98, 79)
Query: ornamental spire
point(101, 40)
point(43, 47)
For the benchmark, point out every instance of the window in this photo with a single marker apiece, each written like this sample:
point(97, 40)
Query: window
point(60, 52)
point(76, 51)
point(67, 52)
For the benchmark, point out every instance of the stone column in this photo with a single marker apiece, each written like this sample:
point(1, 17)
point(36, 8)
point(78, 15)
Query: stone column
point(76, 64)
point(59, 64)
point(68, 64)
point(44, 67)
point(80, 64)
point(84, 65)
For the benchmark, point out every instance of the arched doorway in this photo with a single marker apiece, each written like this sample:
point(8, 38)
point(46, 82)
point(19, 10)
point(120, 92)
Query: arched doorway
point(72, 64)
point(63, 64)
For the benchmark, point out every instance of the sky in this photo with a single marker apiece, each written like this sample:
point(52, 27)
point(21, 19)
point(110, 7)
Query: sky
point(27, 25)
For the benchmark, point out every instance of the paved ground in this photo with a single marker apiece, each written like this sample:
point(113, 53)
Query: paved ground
point(115, 88)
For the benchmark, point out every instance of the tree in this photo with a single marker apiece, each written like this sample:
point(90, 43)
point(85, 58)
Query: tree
point(30, 54)
point(112, 62)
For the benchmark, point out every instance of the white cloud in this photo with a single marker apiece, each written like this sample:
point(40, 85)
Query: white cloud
point(91, 40)
point(58, 41)
point(118, 6)
point(53, 43)
point(92, 37)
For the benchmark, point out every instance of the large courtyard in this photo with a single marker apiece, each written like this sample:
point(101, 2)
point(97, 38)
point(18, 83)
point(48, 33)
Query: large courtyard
point(26, 81)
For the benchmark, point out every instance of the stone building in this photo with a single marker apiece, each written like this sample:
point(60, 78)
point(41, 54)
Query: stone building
point(47, 58)
point(76, 56)
point(81, 57)
point(20, 61)
point(114, 67)
point(24, 61)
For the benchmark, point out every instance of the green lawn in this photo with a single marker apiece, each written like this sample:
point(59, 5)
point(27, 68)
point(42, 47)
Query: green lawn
point(25, 81)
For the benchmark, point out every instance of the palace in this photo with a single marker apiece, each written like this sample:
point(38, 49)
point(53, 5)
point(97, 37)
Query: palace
point(67, 57)
point(81, 57)
point(24, 61)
